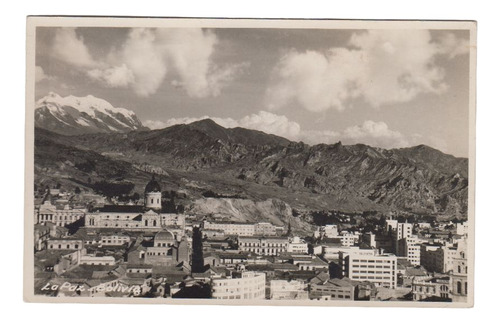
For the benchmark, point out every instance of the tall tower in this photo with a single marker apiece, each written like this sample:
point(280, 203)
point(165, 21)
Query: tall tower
point(152, 195)
point(197, 261)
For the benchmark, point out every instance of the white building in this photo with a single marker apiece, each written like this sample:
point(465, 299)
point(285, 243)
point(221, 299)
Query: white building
point(231, 228)
point(409, 247)
point(251, 285)
point(128, 217)
point(348, 239)
point(48, 213)
point(269, 246)
point(297, 245)
point(136, 217)
point(380, 269)
point(401, 230)
point(333, 252)
point(459, 275)
point(405, 230)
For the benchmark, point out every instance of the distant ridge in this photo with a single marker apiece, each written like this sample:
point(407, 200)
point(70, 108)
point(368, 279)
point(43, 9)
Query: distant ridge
point(351, 178)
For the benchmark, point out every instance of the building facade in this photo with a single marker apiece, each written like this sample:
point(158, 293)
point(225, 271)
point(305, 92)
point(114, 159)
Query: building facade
point(430, 287)
point(379, 269)
point(437, 258)
point(251, 285)
point(263, 245)
point(297, 245)
point(231, 228)
point(48, 213)
point(459, 275)
point(409, 247)
point(64, 244)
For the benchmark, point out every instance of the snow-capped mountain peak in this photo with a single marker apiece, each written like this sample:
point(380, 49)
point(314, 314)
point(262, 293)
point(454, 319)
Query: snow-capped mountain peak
point(77, 115)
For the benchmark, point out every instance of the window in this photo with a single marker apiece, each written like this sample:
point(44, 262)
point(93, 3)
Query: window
point(459, 287)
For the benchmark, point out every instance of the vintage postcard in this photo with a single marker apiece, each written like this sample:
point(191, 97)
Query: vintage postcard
point(250, 161)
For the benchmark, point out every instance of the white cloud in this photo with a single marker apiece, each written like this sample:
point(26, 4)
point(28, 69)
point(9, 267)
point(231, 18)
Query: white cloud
point(40, 74)
point(119, 76)
point(375, 134)
point(146, 58)
point(70, 48)
point(140, 53)
point(380, 66)
point(449, 44)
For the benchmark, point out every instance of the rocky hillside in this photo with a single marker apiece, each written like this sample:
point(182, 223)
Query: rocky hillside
point(259, 166)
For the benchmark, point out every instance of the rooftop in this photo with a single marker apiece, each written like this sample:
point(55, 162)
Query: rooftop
point(122, 209)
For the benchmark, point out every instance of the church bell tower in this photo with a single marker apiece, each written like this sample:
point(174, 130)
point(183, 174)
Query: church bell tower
point(152, 195)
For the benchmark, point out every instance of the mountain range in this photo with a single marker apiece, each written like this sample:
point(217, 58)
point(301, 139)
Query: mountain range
point(73, 115)
point(205, 157)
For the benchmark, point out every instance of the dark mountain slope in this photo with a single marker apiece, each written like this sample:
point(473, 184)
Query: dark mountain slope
point(350, 178)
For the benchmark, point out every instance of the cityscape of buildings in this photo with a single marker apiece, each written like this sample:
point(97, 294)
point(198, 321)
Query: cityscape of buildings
point(138, 250)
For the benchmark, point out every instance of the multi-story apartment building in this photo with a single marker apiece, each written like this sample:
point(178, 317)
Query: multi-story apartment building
point(378, 269)
point(409, 247)
point(251, 285)
point(401, 230)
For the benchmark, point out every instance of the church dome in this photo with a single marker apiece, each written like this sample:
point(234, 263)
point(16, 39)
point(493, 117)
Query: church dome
point(153, 186)
point(164, 236)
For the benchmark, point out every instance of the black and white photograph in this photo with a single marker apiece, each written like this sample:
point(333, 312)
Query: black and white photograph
point(250, 161)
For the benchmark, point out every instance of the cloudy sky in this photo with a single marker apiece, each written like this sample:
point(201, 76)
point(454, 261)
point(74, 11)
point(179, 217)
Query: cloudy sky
point(385, 88)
